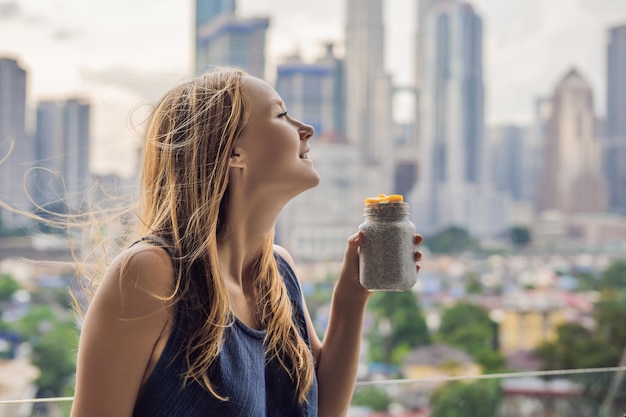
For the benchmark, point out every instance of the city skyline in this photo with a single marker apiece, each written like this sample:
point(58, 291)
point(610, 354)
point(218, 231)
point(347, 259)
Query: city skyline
point(68, 52)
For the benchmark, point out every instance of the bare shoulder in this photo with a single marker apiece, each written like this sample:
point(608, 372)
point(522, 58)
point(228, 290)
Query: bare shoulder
point(125, 328)
point(140, 276)
point(284, 253)
point(143, 262)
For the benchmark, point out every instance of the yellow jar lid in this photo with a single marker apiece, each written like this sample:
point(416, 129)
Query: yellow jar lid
point(382, 198)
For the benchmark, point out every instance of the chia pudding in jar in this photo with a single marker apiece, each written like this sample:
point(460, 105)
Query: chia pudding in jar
point(386, 261)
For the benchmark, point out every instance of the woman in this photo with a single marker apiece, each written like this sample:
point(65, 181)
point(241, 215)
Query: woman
point(203, 316)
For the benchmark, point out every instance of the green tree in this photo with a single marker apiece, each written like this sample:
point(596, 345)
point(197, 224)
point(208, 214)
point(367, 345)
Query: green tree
point(36, 321)
point(461, 399)
point(399, 326)
point(577, 347)
point(8, 287)
point(615, 276)
point(54, 342)
point(609, 314)
point(451, 240)
point(468, 327)
point(372, 397)
point(520, 236)
point(473, 284)
point(586, 281)
point(53, 353)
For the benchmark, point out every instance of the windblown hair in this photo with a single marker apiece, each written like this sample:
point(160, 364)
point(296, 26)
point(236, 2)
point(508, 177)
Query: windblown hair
point(190, 136)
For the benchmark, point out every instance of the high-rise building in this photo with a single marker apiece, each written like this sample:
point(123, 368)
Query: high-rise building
point(62, 144)
point(223, 39)
point(368, 87)
point(423, 7)
point(452, 189)
point(506, 159)
point(312, 92)
point(16, 152)
point(615, 131)
point(208, 10)
point(533, 149)
point(452, 103)
point(572, 180)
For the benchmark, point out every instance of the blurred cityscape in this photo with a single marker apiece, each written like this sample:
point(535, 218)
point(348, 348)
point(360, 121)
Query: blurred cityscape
point(524, 264)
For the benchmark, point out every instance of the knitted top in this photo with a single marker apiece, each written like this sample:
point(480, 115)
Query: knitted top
point(254, 387)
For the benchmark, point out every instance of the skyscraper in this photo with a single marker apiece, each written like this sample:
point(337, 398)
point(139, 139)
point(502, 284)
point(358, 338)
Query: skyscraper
point(223, 39)
point(506, 159)
point(571, 178)
point(451, 187)
point(15, 146)
point(62, 145)
point(368, 87)
point(533, 149)
point(312, 92)
point(208, 10)
point(615, 140)
point(423, 7)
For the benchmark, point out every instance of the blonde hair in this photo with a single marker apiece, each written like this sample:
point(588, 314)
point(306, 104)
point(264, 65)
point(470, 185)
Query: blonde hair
point(190, 136)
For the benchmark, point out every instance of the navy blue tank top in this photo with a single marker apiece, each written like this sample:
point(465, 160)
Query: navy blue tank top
point(254, 386)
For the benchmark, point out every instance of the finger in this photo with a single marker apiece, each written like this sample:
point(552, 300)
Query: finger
point(417, 268)
point(354, 241)
point(418, 239)
point(418, 256)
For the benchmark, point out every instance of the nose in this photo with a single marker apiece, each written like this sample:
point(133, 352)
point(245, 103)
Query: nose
point(306, 131)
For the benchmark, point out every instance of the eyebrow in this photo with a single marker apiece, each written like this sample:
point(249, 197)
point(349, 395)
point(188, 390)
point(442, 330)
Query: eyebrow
point(277, 101)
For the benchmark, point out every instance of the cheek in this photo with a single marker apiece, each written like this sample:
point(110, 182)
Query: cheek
point(267, 158)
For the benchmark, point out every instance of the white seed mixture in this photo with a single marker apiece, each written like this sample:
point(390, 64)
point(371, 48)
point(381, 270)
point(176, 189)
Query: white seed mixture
point(387, 259)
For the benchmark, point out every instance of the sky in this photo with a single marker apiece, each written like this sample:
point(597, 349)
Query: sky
point(123, 54)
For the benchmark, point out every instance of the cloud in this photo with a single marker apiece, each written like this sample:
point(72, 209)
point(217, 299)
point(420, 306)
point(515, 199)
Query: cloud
point(142, 84)
point(63, 34)
point(9, 9)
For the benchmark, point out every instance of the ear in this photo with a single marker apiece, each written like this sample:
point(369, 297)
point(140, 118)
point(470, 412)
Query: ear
point(236, 159)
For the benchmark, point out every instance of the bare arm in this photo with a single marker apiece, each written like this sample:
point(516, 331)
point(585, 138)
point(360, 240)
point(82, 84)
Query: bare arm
point(337, 358)
point(121, 328)
point(339, 353)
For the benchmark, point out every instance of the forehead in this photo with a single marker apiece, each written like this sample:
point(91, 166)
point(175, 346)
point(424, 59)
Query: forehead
point(260, 93)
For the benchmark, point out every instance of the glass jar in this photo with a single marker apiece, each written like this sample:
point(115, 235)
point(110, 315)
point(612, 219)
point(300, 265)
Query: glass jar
point(386, 261)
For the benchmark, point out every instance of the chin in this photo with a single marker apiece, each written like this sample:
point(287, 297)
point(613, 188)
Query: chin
point(310, 182)
point(315, 180)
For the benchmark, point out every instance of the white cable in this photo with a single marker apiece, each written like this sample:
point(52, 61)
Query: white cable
point(495, 376)
point(405, 381)
point(37, 400)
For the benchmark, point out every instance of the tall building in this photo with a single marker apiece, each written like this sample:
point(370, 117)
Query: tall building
point(223, 39)
point(533, 149)
point(312, 92)
point(423, 7)
point(368, 87)
point(572, 180)
point(15, 146)
point(615, 133)
point(208, 10)
point(62, 144)
point(506, 160)
point(452, 189)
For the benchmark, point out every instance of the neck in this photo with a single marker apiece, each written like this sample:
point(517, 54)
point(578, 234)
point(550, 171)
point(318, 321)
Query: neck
point(249, 224)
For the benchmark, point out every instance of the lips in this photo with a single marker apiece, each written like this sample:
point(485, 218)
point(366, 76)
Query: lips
point(305, 154)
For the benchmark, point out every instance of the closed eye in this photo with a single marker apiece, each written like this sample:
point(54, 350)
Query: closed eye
point(283, 114)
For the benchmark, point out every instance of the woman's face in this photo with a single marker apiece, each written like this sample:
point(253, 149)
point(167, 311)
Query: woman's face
point(274, 146)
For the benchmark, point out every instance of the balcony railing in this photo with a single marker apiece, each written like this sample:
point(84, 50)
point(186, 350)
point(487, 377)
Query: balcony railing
point(591, 392)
